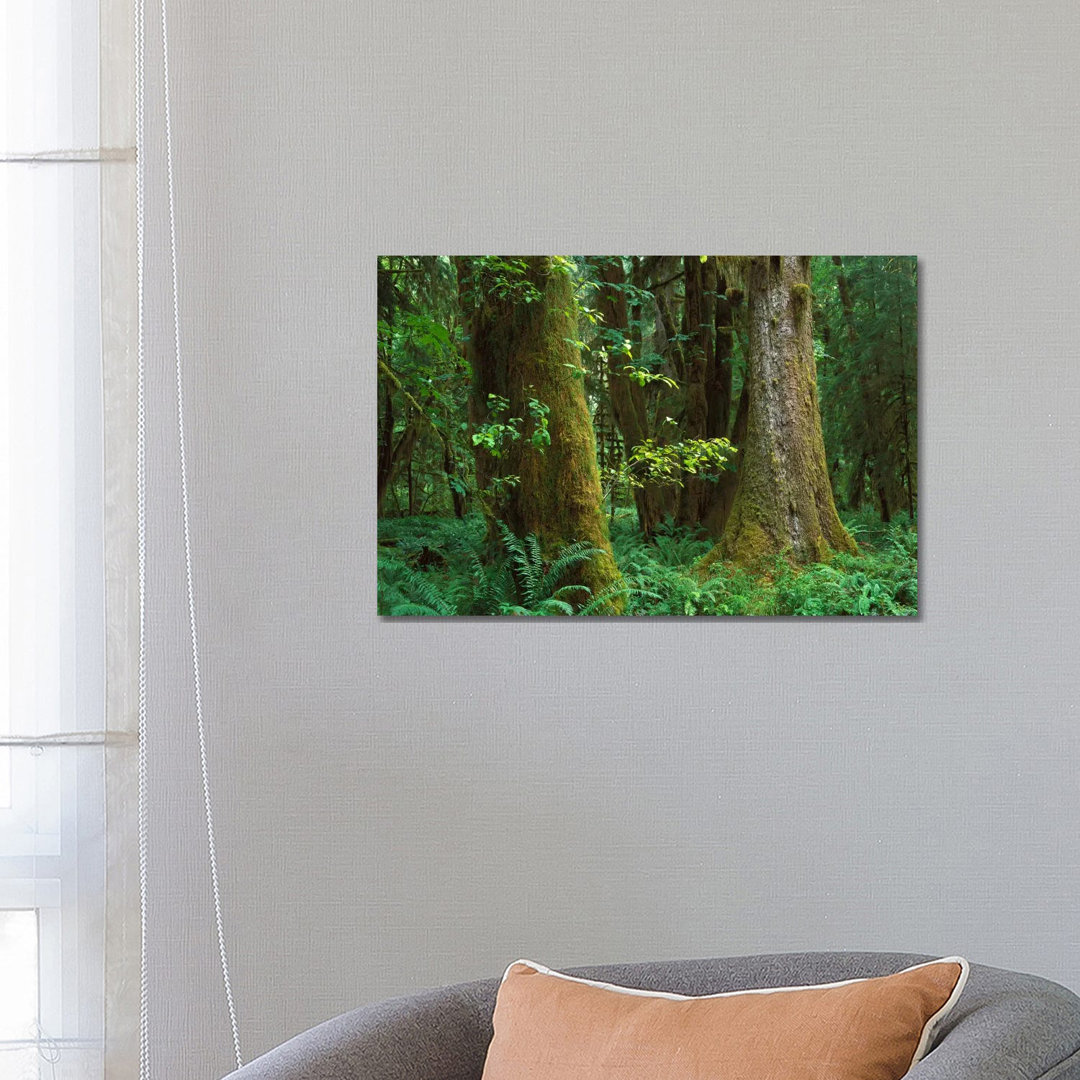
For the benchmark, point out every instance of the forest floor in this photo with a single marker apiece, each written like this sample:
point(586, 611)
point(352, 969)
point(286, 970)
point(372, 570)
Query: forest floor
point(437, 566)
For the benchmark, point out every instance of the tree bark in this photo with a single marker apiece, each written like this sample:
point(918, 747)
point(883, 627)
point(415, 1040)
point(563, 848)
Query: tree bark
point(720, 378)
point(385, 455)
point(721, 495)
point(870, 435)
point(846, 305)
point(629, 404)
point(668, 322)
point(519, 348)
point(700, 328)
point(726, 486)
point(457, 496)
point(857, 483)
point(909, 483)
point(783, 502)
point(392, 454)
point(386, 461)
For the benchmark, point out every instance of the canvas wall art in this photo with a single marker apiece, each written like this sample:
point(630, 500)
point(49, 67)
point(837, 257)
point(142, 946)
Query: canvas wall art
point(647, 435)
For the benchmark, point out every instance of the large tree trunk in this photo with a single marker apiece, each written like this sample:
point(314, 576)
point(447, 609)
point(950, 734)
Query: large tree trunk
point(519, 348)
point(783, 502)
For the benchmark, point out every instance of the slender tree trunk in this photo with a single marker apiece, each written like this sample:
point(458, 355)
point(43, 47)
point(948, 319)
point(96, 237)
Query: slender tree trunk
point(700, 327)
point(629, 404)
point(519, 348)
point(783, 502)
point(390, 457)
point(393, 454)
point(718, 390)
point(385, 455)
point(722, 494)
point(450, 471)
point(669, 323)
point(905, 425)
point(726, 486)
point(867, 438)
point(847, 307)
point(883, 501)
point(857, 483)
point(871, 435)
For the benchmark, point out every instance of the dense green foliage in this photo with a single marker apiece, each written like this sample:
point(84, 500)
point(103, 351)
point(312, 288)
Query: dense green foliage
point(867, 365)
point(448, 569)
point(440, 568)
point(659, 366)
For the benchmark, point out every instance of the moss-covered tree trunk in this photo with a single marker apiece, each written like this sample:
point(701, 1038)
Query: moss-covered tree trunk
point(520, 328)
point(783, 502)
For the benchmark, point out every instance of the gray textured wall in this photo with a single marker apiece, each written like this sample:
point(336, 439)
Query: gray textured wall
point(402, 804)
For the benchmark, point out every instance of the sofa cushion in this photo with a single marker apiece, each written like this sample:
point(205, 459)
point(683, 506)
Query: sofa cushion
point(552, 1026)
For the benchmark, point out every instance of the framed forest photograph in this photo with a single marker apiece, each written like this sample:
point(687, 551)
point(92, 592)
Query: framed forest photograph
point(646, 435)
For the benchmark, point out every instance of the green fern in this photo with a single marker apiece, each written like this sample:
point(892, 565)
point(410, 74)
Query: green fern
point(437, 567)
point(405, 591)
point(538, 586)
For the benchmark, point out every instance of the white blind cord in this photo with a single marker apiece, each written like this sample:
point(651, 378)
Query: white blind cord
point(140, 454)
point(140, 95)
point(197, 680)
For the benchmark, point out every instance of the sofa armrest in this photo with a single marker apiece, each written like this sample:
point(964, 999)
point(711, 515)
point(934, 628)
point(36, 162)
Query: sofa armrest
point(1007, 1026)
point(441, 1034)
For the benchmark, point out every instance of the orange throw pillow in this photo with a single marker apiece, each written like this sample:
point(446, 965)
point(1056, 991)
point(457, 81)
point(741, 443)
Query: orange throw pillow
point(550, 1026)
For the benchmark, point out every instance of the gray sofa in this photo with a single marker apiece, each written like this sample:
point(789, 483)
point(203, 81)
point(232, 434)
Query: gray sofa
point(1006, 1026)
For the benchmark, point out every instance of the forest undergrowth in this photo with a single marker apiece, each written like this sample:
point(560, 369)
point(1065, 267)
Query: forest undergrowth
point(437, 566)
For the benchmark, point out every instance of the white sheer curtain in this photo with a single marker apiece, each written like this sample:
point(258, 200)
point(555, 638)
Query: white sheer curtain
point(52, 544)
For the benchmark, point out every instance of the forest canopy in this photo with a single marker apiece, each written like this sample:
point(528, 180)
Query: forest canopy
point(647, 435)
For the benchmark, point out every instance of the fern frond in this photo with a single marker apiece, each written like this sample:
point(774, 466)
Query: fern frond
point(569, 558)
point(551, 606)
point(526, 562)
point(601, 603)
point(532, 571)
point(513, 609)
point(412, 609)
point(566, 592)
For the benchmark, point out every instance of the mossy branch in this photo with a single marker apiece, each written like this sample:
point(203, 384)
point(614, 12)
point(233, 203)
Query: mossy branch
point(386, 370)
